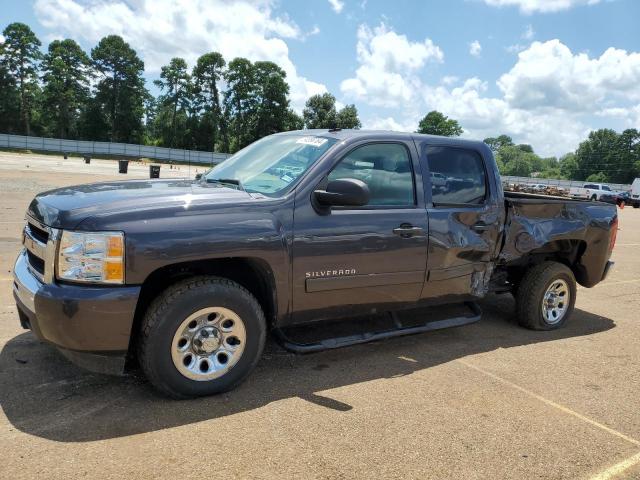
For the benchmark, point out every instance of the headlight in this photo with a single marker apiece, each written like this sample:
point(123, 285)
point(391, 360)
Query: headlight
point(91, 257)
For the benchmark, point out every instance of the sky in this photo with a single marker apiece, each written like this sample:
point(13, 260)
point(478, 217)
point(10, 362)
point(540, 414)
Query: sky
point(545, 72)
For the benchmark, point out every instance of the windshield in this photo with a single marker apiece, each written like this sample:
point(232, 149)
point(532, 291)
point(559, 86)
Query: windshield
point(271, 165)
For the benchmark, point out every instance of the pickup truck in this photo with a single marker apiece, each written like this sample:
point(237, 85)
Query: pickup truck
point(591, 191)
point(184, 279)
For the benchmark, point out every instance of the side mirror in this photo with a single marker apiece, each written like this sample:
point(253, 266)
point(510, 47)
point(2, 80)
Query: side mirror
point(344, 192)
point(198, 176)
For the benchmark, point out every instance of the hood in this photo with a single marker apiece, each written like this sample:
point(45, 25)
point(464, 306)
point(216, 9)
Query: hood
point(67, 207)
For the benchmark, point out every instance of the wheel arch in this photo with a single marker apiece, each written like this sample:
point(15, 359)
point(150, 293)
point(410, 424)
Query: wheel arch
point(252, 273)
point(565, 251)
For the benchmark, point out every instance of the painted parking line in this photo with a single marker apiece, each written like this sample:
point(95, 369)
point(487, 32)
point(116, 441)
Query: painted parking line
point(618, 468)
point(551, 403)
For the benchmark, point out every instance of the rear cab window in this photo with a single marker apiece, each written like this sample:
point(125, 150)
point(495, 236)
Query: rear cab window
point(457, 176)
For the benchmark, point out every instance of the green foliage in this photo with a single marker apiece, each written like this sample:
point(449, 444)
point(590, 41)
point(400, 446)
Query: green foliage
point(207, 73)
point(347, 117)
point(435, 123)
point(293, 121)
point(65, 73)
point(599, 177)
point(496, 143)
point(9, 97)
point(616, 156)
point(175, 83)
point(19, 61)
point(320, 111)
point(120, 92)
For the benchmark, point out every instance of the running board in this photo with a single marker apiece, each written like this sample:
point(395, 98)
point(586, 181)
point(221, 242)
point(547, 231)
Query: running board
point(349, 340)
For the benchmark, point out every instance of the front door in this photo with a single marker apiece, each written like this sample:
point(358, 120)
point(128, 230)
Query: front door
point(355, 260)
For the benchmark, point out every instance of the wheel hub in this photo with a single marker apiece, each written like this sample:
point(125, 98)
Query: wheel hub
point(555, 302)
point(208, 343)
point(206, 340)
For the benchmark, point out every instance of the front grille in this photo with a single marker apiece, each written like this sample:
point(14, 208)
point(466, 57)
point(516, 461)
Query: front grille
point(36, 263)
point(39, 234)
point(40, 244)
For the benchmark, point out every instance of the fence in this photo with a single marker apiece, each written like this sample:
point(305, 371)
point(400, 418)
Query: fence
point(108, 148)
point(559, 183)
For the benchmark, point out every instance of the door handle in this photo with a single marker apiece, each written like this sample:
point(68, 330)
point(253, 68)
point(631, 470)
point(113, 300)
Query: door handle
point(407, 230)
point(480, 227)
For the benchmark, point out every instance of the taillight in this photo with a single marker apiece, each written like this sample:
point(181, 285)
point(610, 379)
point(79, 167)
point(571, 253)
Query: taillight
point(614, 234)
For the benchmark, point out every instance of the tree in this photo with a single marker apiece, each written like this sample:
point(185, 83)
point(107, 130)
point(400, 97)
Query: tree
point(207, 73)
point(20, 56)
point(435, 123)
point(271, 101)
point(9, 98)
point(596, 153)
point(599, 177)
point(514, 161)
point(120, 93)
point(496, 143)
point(320, 111)
point(240, 102)
point(66, 74)
point(293, 121)
point(347, 117)
point(175, 83)
point(569, 166)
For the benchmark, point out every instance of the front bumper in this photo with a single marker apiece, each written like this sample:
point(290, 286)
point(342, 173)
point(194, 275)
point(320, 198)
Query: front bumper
point(90, 325)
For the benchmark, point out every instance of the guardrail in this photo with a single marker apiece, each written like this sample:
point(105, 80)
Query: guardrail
point(560, 183)
point(84, 147)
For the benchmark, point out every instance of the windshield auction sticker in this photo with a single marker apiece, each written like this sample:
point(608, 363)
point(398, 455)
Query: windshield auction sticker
point(313, 141)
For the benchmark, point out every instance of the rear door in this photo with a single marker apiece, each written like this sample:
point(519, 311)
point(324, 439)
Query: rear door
point(465, 220)
point(356, 259)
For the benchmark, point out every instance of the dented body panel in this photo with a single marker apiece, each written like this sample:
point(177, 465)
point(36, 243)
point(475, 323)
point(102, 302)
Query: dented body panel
point(539, 225)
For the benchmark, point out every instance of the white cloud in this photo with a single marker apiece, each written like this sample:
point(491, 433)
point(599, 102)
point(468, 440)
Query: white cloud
point(549, 98)
point(549, 75)
point(475, 49)
point(161, 29)
point(543, 6)
point(388, 66)
point(390, 123)
point(337, 5)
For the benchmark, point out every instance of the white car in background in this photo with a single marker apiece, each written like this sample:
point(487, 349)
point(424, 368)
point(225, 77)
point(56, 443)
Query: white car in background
point(591, 191)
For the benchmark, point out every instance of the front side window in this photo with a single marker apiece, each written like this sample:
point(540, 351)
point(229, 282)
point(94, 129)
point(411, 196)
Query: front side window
point(385, 168)
point(457, 176)
point(271, 165)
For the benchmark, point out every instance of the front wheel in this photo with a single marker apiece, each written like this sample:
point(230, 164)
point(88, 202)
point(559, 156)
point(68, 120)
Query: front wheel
point(546, 296)
point(201, 336)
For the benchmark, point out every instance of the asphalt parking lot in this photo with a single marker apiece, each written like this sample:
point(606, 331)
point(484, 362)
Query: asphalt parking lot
point(486, 401)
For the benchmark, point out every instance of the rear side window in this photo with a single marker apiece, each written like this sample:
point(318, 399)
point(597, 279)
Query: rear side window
point(385, 168)
point(457, 176)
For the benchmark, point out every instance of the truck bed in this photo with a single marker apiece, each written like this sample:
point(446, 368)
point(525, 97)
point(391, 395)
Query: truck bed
point(536, 224)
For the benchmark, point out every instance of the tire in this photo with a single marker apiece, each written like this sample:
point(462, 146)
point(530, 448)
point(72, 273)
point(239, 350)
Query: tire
point(636, 205)
point(537, 282)
point(594, 198)
point(216, 321)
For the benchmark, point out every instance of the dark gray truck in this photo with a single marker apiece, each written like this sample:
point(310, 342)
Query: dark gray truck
point(185, 278)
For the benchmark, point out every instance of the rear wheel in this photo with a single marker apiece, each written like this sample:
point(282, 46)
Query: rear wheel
point(594, 197)
point(201, 336)
point(546, 296)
